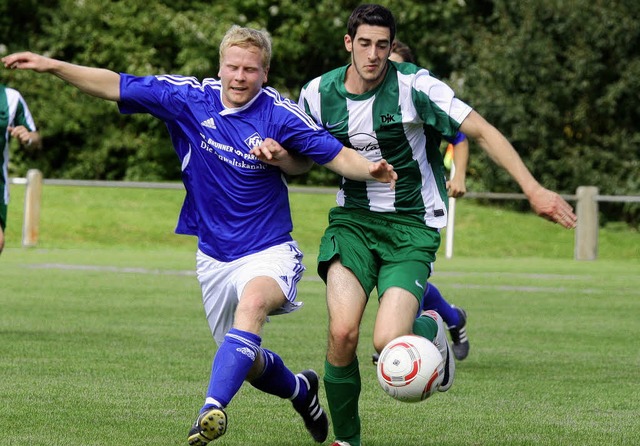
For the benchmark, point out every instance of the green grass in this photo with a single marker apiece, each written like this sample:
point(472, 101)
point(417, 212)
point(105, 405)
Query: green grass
point(104, 341)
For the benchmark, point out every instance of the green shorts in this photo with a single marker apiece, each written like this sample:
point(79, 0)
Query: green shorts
point(383, 250)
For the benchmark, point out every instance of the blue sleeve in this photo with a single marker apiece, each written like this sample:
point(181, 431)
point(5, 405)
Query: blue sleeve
point(299, 133)
point(160, 96)
point(457, 139)
point(319, 145)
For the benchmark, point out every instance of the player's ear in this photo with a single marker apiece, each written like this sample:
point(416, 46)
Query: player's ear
point(348, 43)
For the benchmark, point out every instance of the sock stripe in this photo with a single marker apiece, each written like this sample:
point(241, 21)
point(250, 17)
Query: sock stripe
point(243, 340)
point(297, 391)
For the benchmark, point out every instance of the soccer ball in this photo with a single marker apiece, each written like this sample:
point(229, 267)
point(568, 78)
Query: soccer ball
point(410, 368)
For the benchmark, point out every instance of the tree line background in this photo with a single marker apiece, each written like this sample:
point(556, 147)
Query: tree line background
point(560, 78)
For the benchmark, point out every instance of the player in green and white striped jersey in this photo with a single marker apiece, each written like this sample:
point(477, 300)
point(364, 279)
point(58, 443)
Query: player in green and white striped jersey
point(15, 122)
point(387, 239)
point(386, 123)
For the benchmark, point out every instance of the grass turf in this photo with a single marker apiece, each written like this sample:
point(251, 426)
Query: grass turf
point(104, 340)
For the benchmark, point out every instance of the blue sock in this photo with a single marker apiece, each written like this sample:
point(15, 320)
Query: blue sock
point(433, 300)
point(277, 379)
point(230, 367)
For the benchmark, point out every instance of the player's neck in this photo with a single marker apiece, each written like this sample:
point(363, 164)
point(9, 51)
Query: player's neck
point(356, 84)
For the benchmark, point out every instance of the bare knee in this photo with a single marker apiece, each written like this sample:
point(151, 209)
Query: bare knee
point(344, 335)
point(253, 305)
point(343, 342)
point(259, 297)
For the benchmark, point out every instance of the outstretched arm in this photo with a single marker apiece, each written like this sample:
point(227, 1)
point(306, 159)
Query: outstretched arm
point(99, 82)
point(544, 202)
point(347, 163)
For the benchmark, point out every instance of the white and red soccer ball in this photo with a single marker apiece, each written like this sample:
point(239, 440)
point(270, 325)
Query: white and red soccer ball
point(410, 368)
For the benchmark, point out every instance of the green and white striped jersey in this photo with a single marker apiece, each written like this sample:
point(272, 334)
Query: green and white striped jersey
point(402, 121)
point(13, 112)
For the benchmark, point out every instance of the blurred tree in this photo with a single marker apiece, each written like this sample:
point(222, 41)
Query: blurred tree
point(559, 78)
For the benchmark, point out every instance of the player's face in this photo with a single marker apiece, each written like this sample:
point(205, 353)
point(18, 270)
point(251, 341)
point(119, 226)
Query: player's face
point(369, 50)
point(242, 75)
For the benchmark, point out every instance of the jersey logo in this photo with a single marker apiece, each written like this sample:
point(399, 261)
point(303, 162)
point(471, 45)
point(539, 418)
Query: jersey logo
point(247, 352)
point(209, 123)
point(253, 141)
point(363, 142)
point(332, 125)
point(386, 119)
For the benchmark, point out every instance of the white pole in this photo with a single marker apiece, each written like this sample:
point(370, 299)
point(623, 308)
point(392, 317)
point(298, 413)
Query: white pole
point(451, 217)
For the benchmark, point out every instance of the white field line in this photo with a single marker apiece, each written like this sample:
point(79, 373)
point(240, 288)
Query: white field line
point(315, 278)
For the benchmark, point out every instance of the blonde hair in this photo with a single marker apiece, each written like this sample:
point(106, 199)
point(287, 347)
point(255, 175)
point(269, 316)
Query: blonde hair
point(246, 37)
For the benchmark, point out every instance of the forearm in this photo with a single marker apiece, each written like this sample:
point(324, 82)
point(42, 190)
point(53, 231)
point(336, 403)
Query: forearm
point(457, 184)
point(461, 158)
point(504, 155)
point(347, 163)
point(295, 165)
point(546, 203)
point(350, 164)
point(500, 150)
point(98, 82)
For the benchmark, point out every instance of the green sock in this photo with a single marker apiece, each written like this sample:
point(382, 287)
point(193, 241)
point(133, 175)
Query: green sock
point(342, 386)
point(425, 327)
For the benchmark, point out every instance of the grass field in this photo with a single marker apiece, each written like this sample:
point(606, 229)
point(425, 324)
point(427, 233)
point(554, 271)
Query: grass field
point(104, 341)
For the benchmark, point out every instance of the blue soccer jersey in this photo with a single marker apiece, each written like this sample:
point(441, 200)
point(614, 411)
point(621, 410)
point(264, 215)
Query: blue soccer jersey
point(235, 204)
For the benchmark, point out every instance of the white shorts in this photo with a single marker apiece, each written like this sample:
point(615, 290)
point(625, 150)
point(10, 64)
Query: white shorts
point(222, 283)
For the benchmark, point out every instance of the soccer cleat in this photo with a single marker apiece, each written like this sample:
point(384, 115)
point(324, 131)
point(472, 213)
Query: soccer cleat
point(459, 340)
point(315, 419)
point(442, 343)
point(340, 443)
point(211, 424)
point(374, 358)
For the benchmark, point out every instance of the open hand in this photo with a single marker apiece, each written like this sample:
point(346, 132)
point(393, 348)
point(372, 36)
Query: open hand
point(270, 151)
point(383, 172)
point(553, 207)
point(27, 61)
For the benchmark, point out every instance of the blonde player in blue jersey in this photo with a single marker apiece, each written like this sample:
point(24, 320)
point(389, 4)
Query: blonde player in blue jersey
point(15, 122)
point(386, 239)
point(236, 203)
